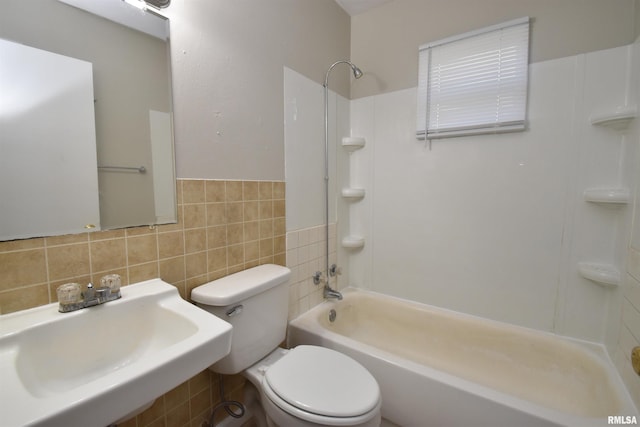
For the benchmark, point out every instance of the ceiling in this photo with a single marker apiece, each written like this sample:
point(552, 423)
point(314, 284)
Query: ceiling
point(355, 7)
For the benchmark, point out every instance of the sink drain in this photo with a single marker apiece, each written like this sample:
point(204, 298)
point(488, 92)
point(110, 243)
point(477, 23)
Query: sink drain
point(332, 315)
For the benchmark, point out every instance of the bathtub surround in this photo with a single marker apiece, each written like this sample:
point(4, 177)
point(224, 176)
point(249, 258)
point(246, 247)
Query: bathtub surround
point(223, 227)
point(488, 225)
point(499, 223)
point(504, 249)
point(455, 206)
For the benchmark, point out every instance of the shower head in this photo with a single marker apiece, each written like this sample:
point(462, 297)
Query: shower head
point(357, 72)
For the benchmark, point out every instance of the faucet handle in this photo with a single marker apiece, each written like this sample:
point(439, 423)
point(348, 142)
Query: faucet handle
point(317, 278)
point(69, 293)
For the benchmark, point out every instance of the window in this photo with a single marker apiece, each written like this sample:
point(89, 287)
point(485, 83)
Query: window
point(474, 83)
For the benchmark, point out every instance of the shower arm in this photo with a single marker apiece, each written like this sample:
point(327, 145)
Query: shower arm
point(357, 73)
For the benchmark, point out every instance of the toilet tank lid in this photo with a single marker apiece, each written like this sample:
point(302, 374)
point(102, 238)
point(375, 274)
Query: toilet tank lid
point(239, 286)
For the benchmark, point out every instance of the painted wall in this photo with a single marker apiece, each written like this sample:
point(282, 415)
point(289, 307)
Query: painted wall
point(228, 60)
point(637, 19)
point(385, 40)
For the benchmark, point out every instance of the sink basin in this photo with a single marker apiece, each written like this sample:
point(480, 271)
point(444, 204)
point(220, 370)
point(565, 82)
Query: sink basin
point(93, 366)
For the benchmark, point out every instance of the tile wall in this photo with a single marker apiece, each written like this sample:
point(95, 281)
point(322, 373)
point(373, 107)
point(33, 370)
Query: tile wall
point(223, 227)
point(630, 329)
point(306, 254)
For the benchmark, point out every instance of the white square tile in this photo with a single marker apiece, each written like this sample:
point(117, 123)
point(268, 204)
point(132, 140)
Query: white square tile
point(315, 234)
point(632, 291)
point(627, 342)
point(631, 318)
point(303, 304)
point(292, 258)
point(295, 273)
point(303, 237)
point(292, 240)
point(303, 254)
point(633, 262)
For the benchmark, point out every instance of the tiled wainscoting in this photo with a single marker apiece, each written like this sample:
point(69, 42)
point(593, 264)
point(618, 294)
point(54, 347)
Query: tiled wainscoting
point(223, 227)
point(306, 254)
point(628, 338)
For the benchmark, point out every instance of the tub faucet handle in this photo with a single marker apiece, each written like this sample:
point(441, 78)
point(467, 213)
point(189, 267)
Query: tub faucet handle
point(317, 278)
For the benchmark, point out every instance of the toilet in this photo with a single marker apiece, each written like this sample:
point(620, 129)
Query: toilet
point(303, 386)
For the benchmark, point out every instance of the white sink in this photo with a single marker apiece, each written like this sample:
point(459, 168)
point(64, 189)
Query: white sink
point(93, 366)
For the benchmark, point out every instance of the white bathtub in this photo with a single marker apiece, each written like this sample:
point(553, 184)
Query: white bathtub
point(440, 368)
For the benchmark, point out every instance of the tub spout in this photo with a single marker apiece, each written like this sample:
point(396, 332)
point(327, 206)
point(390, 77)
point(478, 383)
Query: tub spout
point(331, 293)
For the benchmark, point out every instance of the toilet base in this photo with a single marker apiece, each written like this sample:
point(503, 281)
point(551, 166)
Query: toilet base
point(254, 407)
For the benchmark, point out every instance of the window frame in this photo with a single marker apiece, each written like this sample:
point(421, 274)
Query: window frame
point(516, 113)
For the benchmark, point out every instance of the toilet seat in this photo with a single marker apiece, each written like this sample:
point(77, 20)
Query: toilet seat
point(322, 386)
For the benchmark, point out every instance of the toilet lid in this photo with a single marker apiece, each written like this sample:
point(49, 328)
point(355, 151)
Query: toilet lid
point(324, 382)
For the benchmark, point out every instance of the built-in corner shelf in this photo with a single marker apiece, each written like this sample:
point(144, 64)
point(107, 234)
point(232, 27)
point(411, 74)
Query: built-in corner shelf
point(353, 242)
point(603, 274)
point(618, 119)
point(618, 196)
point(353, 193)
point(352, 143)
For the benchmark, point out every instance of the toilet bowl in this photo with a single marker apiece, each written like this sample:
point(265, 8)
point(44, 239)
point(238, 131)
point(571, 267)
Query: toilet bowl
point(303, 386)
point(295, 389)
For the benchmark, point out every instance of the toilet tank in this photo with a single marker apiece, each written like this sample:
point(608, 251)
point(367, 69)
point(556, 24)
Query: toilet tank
point(255, 302)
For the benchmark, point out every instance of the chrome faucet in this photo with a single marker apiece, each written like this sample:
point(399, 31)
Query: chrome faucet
point(333, 271)
point(331, 293)
point(328, 292)
point(90, 297)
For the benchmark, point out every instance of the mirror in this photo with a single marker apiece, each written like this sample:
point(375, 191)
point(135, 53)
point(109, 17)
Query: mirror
point(130, 73)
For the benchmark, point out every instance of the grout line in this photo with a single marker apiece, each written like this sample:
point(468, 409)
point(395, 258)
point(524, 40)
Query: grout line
point(46, 268)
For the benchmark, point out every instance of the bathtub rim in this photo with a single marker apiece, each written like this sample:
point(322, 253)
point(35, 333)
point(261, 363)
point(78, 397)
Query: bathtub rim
point(309, 322)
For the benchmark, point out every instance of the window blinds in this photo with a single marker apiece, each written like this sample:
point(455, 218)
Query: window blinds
point(474, 83)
